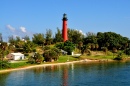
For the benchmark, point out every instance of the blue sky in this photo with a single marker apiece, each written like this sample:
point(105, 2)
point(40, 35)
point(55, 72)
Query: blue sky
point(26, 17)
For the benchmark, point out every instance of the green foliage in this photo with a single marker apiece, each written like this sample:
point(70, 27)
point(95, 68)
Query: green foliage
point(11, 39)
point(111, 39)
point(68, 47)
point(75, 36)
point(36, 58)
point(64, 58)
point(26, 38)
point(31, 60)
point(50, 55)
point(4, 64)
point(1, 38)
point(80, 45)
point(59, 45)
point(91, 38)
point(88, 52)
point(18, 64)
point(38, 39)
point(127, 51)
point(48, 36)
point(119, 56)
point(56, 50)
point(19, 50)
point(29, 46)
point(114, 50)
point(58, 36)
point(26, 54)
point(47, 47)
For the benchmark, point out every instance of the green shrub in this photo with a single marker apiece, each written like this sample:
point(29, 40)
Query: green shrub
point(36, 58)
point(51, 54)
point(4, 64)
point(26, 54)
point(119, 56)
point(47, 47)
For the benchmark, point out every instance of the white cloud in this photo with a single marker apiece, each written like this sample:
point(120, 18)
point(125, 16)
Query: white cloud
point(20, 31)
point(10, 28)
point(82, 32)
point(23, 29)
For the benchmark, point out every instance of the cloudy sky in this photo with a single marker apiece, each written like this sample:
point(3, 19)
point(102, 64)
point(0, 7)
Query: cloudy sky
point(26, 17)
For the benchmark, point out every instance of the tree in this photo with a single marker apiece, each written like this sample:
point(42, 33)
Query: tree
point(36, 58)
point(114, 51)
point(67, 46)
point(92, 46)
point(11, 40)
point(119, 56)
point(75, 36)
point(110, 40)
point(48, 36)
point(29, 46)
point(90, 38)
point(26, 38)
point(80, 45)
point(18, 42)
point(51, 54)
point(1, 38)
point(17, 39)
point(38, 39)
point(105, 50)
point(58, 36)
point(60, 45)
point(96, 46)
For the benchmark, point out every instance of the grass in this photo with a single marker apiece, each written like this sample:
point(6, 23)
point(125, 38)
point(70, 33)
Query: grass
point(65, 58)
point(98, 57)
point(19, 64)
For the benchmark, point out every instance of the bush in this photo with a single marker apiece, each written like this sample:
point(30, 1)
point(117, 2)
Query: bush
point(127, 51)
point(4, 64)
point(47, 47)
point(69, 49)
point(26, 54)
point(31, 60)
point(19, 49)
point(89, 52)
point(50, 55)
point(59, 45)
point(67, 46)
point(119, 56)
point(37, 58)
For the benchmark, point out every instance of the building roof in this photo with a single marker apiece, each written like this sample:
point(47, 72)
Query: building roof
point(17, 53)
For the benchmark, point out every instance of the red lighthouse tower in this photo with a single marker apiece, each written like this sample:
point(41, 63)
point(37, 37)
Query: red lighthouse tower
point(64, 28)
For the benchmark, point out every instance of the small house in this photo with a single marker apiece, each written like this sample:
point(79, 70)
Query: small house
point(15, 56)
point(63, 52)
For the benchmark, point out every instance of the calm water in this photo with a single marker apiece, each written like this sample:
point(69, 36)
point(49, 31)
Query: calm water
point(79, 74)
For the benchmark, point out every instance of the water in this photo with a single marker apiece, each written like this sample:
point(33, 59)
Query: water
point(79, 74)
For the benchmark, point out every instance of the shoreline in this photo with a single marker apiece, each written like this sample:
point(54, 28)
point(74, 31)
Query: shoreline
point(42, 65)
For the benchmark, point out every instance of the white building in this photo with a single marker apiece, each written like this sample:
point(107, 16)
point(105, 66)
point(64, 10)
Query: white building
point(15, 56)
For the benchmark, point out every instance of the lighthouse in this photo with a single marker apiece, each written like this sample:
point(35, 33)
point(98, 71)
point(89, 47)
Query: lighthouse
point(64, 28)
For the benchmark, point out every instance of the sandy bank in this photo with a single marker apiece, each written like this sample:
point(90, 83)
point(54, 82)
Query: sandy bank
point(42, 65)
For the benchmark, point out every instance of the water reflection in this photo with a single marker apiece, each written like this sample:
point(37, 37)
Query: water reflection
point(65, 77)
point(3, 78)
point(78, 74)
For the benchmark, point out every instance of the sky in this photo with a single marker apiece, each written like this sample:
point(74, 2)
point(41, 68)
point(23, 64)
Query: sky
point(27, 17)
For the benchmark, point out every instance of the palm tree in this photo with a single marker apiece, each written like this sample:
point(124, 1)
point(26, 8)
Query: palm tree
point(114, 51)
point(96, 46)
point(80, 45)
